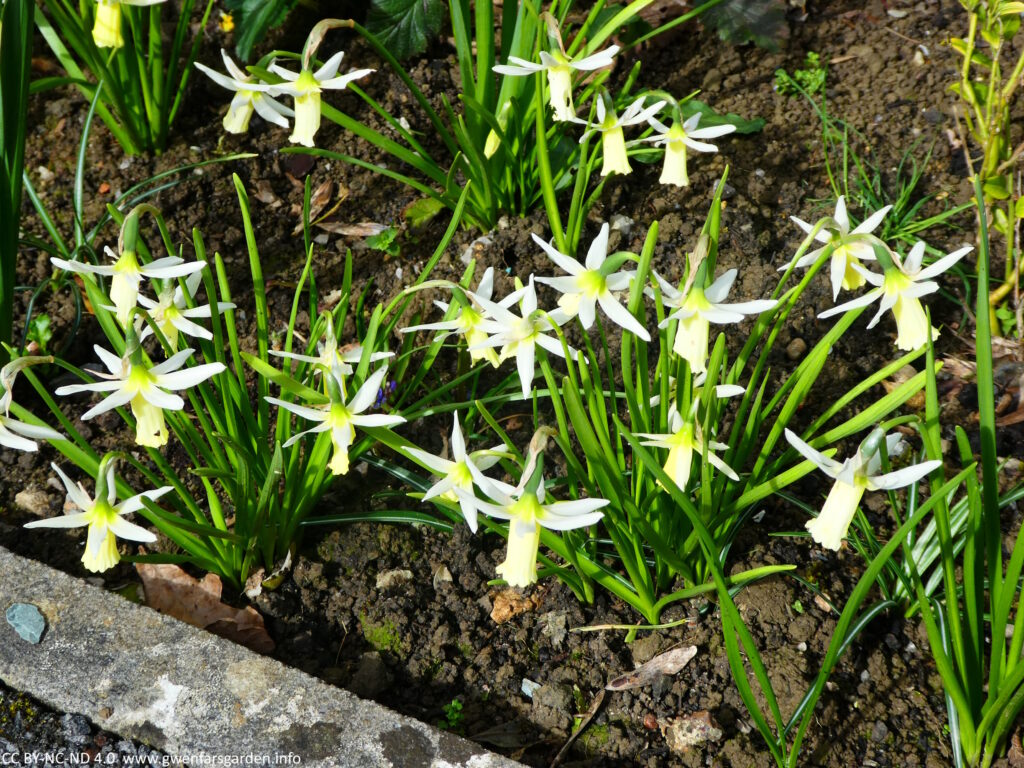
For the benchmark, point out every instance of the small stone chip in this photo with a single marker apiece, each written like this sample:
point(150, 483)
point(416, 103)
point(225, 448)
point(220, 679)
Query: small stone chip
point(27, 621)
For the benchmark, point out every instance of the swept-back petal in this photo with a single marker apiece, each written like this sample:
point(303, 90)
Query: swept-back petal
point(719, 290)
point(860, 301)
point(598, 250)
point(820, 460)
point(902, 477)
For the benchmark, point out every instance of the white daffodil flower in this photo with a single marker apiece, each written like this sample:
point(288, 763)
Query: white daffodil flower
point(131, 381)
point(106, 29)
point(171, 314)
point(127, 274)
point(848, 248)
point(526, 512)
point(900, 289)
point(332, 355)
point(305, 88)
point(697, 308)
point(519, 335)
point(610, 125)
point(684, 439)
point(462, 472)
point(250, 96)
point(467, 322)
point(13, 433)
point(676, 139)
point(853, 477)
point(102, 515)
point(559, 68)
point(587, 286)
point(341, 417)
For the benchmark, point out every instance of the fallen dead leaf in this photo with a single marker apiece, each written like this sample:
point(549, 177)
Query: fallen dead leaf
point(363, 229)
point(668, 663)
point(1015, 757)
point(318, 201)
point(265, 194)
point(510, 603)
point(170, 590)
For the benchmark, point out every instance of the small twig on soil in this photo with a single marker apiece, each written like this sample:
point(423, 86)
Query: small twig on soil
point(905, 37)
point(591, 713)
point(630, 627)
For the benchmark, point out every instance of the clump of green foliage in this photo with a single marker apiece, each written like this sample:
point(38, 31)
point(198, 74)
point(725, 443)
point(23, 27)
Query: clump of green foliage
point(809, 80)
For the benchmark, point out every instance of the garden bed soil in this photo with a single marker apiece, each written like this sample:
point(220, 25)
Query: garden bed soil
point(405, 615)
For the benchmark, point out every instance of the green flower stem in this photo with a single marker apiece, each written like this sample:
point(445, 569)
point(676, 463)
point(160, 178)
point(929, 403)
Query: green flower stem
point(544, 167)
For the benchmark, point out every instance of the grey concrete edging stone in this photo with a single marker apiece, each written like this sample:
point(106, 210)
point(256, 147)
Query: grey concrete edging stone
point(191, 694)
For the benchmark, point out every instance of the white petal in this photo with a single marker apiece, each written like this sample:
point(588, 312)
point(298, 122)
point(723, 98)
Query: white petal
point(712, 131)
point(718, 290)
point(622, 316)
point(74, 491)
point(377, 420)
point(943, 264)
point(598, 251)
point(98, 386)
point(367, 394)
point(841, 216)
point(116, 400)
point(125, 530)
point(699, 146)
point(820, 460)
point(595, 60)
point(280, 71)
point(10, 440)
point(173, 363)
point(860, 301)
point(76, 520)
point(750, 307)
point(871, 222)
point(902, 477)
point(434, 463)
point(219, 79)
point(189, 377)
point(566, 263)
point(524, 365)
point(330, 67)
point(458, 441)
point(109, 359)
point(342, 81)
point(37, 431)
point(313, 414)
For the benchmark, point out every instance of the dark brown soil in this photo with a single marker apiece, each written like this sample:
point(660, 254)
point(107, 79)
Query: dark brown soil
point(428, 641)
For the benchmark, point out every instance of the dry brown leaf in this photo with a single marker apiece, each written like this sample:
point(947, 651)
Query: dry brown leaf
point(1015, 757)
point(363, 229)
point(265, 194)
point(318, 201)
point(510, 603)
point(668, 663)
point(171, 591)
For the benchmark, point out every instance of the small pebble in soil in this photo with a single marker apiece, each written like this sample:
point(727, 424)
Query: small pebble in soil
point(796, 349)
point(33, 500)
point(879, 731)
